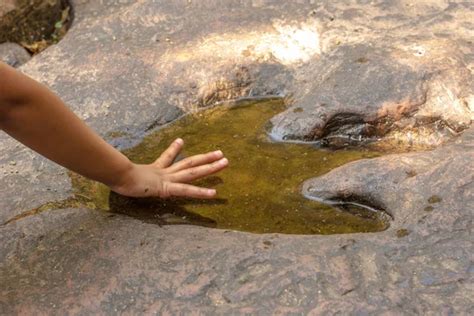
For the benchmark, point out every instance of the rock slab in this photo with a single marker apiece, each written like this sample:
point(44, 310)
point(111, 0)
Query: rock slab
point(133, 66)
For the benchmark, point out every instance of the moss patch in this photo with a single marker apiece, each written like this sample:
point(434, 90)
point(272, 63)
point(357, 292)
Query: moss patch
point(36, 24)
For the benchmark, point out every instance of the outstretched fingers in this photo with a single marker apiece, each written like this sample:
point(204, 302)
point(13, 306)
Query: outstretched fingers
point(195, 173)
point(176, 176)
point(169, 155)
point(196, 160)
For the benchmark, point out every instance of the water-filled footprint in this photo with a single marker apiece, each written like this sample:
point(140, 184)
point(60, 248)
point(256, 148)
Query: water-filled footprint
point(260, 190)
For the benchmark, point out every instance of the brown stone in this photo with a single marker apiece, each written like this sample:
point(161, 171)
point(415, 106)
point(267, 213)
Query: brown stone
point(117, 71)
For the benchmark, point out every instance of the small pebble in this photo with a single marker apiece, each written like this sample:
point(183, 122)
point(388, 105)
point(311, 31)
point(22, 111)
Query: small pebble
point(402, 232)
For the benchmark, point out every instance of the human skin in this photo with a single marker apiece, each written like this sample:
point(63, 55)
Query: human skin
point(36, 117)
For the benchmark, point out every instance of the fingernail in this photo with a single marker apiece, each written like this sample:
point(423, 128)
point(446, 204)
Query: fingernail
point(179, 141)
point(218, 152)
point(211, 191)
point(223, 161)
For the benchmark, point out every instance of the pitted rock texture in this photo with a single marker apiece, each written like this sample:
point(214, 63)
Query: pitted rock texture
point(80, 261)
point(132, 66)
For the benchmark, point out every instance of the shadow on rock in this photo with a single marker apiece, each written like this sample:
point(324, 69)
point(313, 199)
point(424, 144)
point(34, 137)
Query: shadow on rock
point(160, 212)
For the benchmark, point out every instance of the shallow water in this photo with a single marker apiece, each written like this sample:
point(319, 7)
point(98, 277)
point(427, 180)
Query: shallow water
point(260, 190)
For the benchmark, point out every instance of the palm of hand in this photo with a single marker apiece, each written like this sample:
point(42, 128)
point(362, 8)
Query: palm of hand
point(165, 179)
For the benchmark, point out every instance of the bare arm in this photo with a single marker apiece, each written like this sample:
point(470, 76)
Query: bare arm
point(35, 116)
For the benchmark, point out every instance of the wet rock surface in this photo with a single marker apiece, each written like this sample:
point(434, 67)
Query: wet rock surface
point(131, 66)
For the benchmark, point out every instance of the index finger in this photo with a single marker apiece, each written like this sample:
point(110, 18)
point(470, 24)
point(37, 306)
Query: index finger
point(169, 155)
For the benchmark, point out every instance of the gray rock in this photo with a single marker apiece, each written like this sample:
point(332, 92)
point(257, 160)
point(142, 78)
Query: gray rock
point(13, 54)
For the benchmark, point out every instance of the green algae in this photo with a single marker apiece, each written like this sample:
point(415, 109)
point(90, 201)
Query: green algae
point(260, 190)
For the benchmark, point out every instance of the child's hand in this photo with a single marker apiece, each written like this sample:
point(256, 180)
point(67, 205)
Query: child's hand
point(165, 179)
point(33, 115)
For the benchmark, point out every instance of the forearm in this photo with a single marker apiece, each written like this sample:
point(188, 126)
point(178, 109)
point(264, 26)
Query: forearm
point(33, 115)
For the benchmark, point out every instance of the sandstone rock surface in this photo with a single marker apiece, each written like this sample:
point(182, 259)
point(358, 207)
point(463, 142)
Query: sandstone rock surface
point(80, 261)
point(131, 66)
